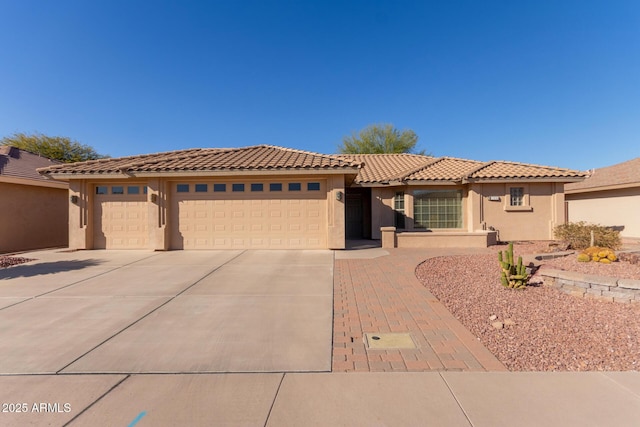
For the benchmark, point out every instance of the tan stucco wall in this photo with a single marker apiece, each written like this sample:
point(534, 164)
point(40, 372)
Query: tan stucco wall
point(382, 213)
point(159, 195)
point(451, 239)
point(32, 217)
point(80, 215)
point(336, 212)
point(609, 208)
point(543, 211)
point(382, 209)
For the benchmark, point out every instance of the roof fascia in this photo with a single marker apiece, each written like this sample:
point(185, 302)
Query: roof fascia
point(129, 174)
point(512, 180)
point(70, 176)
point(33, 182)
point(602, 188)
point(432, 182)
point(381, 184)
point(155, 174)
point(372, 185)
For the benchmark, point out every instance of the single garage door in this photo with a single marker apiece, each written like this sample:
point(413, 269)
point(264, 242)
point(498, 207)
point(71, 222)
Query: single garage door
point(249, 215)
point(120, 217)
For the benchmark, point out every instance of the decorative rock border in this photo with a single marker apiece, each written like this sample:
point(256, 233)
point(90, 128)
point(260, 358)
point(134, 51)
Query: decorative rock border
point(590, 286)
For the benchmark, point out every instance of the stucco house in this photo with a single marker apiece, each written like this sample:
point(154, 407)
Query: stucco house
point(34, 210)
point(609, 196)
point(272, 197)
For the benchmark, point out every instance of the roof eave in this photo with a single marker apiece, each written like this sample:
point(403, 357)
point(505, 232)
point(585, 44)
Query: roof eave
point(66, 176)
point(251, 172)
point(33, 182)
point(432, 182)
point(222, 173)
point(602, 188)
point(507, 180)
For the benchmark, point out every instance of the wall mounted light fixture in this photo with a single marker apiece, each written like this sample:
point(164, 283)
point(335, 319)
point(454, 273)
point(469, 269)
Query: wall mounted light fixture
point(74, 199)
point(154, 198)
point(339, 195)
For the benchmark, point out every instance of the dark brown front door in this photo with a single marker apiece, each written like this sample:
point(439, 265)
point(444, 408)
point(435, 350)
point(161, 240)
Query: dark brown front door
point(358, 213)
point(354, 216)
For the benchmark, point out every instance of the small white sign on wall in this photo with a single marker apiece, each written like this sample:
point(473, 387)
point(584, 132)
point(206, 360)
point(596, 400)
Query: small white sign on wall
point(494, 198)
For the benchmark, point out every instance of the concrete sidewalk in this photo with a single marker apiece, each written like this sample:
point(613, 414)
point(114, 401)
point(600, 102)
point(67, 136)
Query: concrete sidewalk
point(477, 399)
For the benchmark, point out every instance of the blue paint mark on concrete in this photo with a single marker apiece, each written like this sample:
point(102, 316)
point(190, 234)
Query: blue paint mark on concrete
point(138, 418)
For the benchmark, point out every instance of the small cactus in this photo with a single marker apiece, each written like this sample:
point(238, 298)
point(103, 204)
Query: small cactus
point(597, 254)
point(584, 258)
point(513, 276)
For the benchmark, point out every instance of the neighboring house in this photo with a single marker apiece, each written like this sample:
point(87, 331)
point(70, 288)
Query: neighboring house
point(610, 196)
point(34, 210)
point(272, 197)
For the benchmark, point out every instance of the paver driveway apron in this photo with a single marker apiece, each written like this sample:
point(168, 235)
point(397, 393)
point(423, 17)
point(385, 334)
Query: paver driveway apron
point(176, 312)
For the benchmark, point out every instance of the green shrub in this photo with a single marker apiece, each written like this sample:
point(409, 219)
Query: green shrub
point(578, 234)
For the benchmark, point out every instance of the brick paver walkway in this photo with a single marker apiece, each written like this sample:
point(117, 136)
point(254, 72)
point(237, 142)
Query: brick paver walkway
point(383, 295)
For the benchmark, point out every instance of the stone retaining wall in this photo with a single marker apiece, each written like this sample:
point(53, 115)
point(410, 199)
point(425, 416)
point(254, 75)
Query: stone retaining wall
point(589, 286)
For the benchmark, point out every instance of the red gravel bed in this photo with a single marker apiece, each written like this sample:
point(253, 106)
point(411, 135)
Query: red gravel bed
point(553, 331)
point(619, 269)
point(8, 261)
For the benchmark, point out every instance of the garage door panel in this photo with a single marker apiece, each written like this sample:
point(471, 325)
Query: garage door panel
point(266, 220)
point(120, 221)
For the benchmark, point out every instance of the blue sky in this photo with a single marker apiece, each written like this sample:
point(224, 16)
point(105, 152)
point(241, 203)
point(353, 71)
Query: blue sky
point(545, 82)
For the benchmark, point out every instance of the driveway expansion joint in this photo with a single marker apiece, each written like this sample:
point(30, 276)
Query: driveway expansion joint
point(149, 313)
point(116, 385)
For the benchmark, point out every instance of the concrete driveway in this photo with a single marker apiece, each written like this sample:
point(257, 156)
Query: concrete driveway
point(126, 312)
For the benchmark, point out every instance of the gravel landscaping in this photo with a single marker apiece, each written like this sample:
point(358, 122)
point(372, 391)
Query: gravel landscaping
point(539, 328)
point(8, 261)
point(621, 270)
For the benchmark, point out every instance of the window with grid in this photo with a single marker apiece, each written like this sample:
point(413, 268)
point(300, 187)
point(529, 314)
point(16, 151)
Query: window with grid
point(437, 209)
point(516, 196)
point(398, 207)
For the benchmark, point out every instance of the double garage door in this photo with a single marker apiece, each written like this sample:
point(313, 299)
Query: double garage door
point(249, 215)
point(217, 215)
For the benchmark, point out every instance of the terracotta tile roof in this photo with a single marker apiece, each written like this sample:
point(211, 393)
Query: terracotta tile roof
point(22, 164)
point(259, 157)
point(622, 174)
point(444, 169)
point(501, 169)
point(371, 168)
point(383, 168)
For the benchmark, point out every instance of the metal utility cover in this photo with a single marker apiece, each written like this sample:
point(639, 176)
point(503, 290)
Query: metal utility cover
point(389, 341)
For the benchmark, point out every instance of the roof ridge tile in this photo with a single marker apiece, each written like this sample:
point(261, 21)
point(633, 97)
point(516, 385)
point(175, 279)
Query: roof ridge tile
point(478, 169)
point(410, 172)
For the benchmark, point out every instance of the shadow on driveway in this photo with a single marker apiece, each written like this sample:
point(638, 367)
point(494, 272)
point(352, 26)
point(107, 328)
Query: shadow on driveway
point(32, 270)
